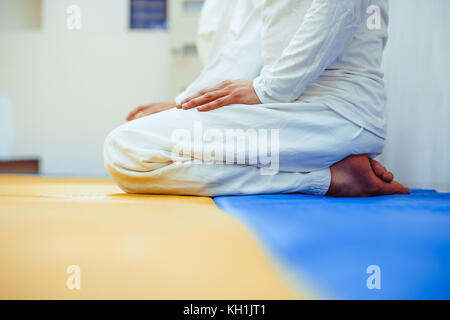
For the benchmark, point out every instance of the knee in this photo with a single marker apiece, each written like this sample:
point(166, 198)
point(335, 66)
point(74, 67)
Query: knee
point(114, 154)
point(133, 157)
point(111, 149)
point(127, 148)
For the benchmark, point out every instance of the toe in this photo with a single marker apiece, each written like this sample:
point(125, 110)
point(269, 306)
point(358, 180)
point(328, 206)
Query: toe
point(387, 176)
point(377, 168)
point(380, 171)
point(393, 187)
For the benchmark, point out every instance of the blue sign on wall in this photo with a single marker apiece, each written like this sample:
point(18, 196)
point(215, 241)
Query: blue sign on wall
point(148, 14)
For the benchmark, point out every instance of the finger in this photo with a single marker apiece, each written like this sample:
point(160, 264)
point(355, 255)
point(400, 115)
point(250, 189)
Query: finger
point(130, 117)
point(204, 99)
point(198, 94)
point(140, 115)
point(134, 112)
point(216, 104)
point(204, 91)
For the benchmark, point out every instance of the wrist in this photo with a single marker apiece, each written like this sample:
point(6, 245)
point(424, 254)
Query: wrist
point(261, 91)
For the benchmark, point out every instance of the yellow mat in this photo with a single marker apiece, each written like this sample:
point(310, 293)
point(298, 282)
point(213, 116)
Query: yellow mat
point(126, 246)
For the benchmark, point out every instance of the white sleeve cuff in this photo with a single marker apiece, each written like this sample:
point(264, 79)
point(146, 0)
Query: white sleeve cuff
point(262, 91)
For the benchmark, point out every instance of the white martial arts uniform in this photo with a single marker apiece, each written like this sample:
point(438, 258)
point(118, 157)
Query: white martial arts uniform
point(220, 23)
point(315, 65)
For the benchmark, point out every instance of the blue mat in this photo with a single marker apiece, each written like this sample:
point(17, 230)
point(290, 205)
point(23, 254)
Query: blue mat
point(331, 242)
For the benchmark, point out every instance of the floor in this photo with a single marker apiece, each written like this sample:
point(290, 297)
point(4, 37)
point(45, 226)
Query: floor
point(126, 246)
point(244, 247)
point(392, 247)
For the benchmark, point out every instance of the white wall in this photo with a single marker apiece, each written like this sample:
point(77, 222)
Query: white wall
point(70, 88)
point(417, 66)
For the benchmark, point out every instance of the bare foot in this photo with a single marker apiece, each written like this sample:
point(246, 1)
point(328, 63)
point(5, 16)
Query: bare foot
point(381, 171)
point(355, 177)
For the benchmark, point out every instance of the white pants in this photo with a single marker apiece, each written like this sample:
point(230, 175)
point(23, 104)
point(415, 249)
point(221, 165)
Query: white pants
point(139, 154)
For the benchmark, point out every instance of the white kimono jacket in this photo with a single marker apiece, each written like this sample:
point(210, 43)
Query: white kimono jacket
point(319, 51)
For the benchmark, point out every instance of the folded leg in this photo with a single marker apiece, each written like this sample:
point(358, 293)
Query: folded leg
point(310, 138)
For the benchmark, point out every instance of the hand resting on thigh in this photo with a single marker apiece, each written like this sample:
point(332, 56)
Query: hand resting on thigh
point(152, 108)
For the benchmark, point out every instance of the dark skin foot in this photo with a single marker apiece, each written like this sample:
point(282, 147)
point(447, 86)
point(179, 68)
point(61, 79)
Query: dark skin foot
point(381, 171)
point(359, 176)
